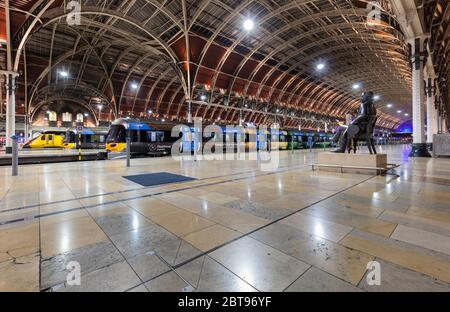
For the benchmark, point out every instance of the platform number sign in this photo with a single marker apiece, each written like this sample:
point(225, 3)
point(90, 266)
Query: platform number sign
point(374, 14)
point(74, 15)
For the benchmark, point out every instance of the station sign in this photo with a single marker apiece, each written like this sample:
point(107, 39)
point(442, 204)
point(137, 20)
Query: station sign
point(80, 126)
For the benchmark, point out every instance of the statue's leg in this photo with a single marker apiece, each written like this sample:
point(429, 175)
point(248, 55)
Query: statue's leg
point(337, 138)
point(369, 146)
point(342, 144)
point(372, 141)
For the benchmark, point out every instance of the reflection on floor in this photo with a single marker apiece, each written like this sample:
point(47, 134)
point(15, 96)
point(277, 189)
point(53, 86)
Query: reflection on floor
point(235, 228)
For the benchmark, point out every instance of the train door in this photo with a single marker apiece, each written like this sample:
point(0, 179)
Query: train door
point(40, 141)
point(50, 140)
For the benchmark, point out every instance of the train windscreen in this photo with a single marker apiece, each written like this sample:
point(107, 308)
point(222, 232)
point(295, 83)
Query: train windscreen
point(116, 134)
point(70, 137)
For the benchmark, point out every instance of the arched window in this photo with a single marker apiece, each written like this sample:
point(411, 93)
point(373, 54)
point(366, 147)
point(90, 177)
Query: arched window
point(80, 117)
point(52, 116)
point(67, 117)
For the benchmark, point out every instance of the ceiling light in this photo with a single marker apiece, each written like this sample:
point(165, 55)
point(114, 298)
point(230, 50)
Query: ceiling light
point(134, 86)
point(64, 74)
point(399, 111)
point(356, 86)
point(249, 25)
point(376, 97)
point(389, 106)
point(320, 66)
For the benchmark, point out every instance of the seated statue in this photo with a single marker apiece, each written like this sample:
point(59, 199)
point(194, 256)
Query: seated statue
point(359, 127)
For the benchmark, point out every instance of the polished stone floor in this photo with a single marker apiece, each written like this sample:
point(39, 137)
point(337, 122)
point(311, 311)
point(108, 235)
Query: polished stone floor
point(235, 228)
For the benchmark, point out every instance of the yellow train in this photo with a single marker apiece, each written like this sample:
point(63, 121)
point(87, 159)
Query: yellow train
point(48, 139)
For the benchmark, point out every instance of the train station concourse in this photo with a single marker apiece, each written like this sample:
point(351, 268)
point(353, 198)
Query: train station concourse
point(224, 146)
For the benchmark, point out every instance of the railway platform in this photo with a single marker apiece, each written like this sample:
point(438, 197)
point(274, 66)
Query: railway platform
point(233, 227)
point(41, 156)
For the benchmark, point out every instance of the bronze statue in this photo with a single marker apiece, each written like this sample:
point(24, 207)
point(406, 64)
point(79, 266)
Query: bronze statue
point(361, 128)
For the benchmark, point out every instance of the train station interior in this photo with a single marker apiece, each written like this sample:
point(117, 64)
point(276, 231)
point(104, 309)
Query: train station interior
point(224, 146)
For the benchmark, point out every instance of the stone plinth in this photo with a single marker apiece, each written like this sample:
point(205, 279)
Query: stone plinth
point(361, 163)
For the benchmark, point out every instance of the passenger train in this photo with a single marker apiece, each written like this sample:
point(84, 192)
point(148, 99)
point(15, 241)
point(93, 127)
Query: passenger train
point(85, 139)
point(47, 139)
point(146, 138)
point(153, 138)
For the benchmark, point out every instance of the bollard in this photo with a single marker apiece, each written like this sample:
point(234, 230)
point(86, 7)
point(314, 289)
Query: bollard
point(79, 146)
point(15, 156)
point(128, 151)
point(238, 143)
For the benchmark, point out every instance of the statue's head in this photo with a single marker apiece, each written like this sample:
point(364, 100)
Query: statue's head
point(367, 97)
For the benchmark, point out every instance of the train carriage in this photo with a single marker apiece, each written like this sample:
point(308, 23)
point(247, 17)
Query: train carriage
point(295, 140)
point(146, 138)
point(85, 139)
point(47, 139)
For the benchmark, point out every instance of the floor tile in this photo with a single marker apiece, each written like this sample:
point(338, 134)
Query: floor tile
point(59, 207)
point(240, 221)
point(429, 225)
point(191, 271)
point(406, 255)
point(351, 219)
point(317, 226)
point(342, 262)
point(118, 220)
point(211, 237)
point(148, 266)
point(151, 206)
point(185, 253)
point(20, 275)
point(430, 213)
point(60, 237)
point(213, 277)
point(395, 278)
point(212, 197)
point(261, 266)
point(97, 200)
point(19, 241)
point(118, 277)
point(90, 258)
point(169, 282)
point(271, 213)
point(315, 280)
point(151, 238)
point(422, 238)
point(182, 223)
